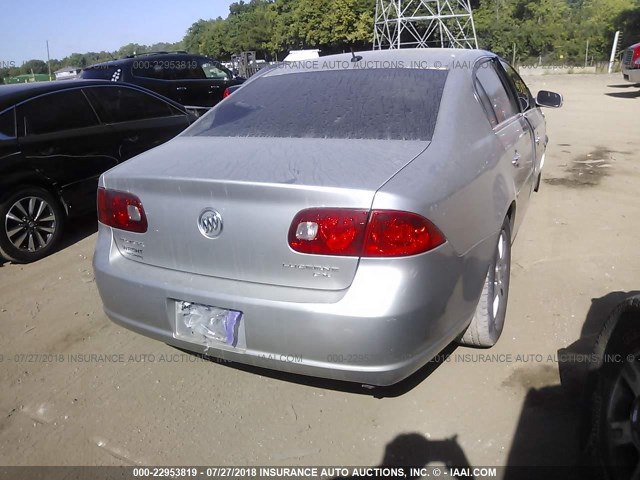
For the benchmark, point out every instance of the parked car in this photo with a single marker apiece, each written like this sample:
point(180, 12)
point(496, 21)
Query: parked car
point(56, 138)
point(615, 394)
point(631, 63)
point(302, 55)
point(344, 222)
point(194, 81)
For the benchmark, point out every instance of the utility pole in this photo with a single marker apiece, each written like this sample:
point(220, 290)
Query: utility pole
point(49, 61)
point(613, 51)
point(586, 54)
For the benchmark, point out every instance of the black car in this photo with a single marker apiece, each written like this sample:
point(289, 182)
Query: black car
point(194, 81)
point(56, 138)
point(614, 388)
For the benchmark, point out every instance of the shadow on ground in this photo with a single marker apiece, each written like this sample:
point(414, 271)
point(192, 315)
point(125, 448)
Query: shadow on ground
point(78, 229)
point(551, 437)
point(624, 85)
point(633, 94)
point(413, 450)
point(555, 421)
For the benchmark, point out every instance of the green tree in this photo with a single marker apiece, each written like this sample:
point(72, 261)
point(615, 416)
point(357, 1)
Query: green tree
point(195, 36)
point(601, 18)
point(215, 40)
point(539, 21)
point(629, 23)
point(496, 26)
point(34, 66)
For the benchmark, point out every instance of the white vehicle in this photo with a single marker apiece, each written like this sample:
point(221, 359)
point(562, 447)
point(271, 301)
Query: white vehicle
point(301, 55)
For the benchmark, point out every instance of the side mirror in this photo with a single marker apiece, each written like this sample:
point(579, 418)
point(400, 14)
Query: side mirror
point(549, 99)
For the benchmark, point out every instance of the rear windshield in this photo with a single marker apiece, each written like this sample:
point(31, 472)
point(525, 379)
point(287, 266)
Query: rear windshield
point(383, 104)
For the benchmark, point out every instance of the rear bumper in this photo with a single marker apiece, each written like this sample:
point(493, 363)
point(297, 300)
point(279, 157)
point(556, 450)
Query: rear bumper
point(395, 317)
point(631, 74)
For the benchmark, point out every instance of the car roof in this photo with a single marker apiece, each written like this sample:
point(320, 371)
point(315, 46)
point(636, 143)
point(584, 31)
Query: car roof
point(13, 94)
point(421, 58)
point(18, 92)
point(144, 56)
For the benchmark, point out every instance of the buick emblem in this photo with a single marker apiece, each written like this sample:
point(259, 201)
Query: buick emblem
point(210, 223)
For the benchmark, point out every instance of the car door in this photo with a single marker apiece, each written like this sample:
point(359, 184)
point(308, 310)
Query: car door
point(12, 167)
point(532, 113)
point(511, 128)
point(62, 139)
point(154, 73)
point(140, 120)
point(201, 82)
point(8, 140)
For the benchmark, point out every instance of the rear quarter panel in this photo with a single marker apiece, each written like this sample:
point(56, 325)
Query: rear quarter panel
point(463, 182)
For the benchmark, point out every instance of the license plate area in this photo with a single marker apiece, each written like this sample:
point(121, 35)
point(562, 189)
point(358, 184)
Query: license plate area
point(208, 325)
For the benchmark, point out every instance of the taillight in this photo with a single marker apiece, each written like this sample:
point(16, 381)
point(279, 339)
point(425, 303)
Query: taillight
point(631, 57)
point(328, 231)
point(121, 210)
point(398, 234)
point(346, 232)
point(226, 93)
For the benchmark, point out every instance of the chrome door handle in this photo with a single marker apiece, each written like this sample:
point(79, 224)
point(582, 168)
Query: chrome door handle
point(516, 159)
point(180, 89)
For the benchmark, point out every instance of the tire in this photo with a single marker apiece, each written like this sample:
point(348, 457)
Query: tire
point(31, 224)
point(615, 404)
point(488, 320)
point(537, 187)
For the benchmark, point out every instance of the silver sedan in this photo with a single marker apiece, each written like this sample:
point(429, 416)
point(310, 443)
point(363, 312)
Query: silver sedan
point(346, 217)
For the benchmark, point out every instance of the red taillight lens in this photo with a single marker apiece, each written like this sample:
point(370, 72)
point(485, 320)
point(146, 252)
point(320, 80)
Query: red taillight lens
point(398, 234)
point(226, 93)
point(121, 210)
point(328, 231)
point(346, 232)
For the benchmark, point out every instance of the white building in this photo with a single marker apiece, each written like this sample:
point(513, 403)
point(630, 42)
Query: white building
point(67, 73)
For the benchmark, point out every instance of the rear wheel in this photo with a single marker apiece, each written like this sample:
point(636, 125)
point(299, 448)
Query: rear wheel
point(616, 397)
point(488, 319)
point(30, 225)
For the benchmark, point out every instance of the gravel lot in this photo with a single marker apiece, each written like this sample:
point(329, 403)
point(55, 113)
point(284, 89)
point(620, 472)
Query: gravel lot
point(148, 403)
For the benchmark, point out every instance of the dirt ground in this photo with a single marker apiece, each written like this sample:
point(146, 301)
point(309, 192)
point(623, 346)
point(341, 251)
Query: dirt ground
point(576, 253)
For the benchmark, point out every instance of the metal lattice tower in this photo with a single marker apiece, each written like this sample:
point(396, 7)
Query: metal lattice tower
point(424, 23)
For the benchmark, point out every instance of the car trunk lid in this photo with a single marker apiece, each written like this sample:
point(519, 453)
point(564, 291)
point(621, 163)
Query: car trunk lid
point(257, 186)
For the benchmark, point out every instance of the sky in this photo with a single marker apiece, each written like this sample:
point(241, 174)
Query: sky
point(79, 26)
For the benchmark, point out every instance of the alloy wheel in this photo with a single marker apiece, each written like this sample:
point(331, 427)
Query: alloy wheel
point(499, 282)
point(30, 223)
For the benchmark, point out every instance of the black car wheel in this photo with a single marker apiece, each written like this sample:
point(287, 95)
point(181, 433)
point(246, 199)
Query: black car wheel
point(616, 399)
point(30, 225)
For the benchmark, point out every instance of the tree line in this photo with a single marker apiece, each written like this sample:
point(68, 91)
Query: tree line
point(552, 30)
